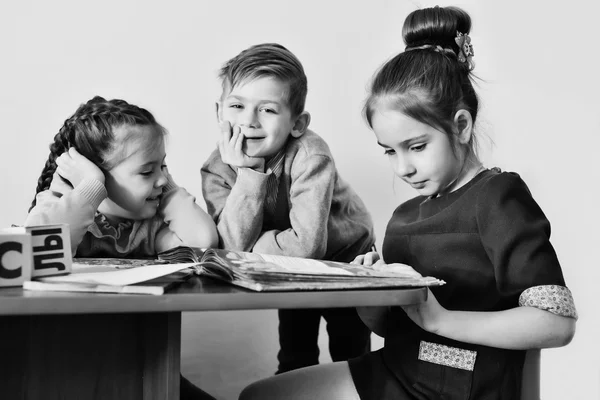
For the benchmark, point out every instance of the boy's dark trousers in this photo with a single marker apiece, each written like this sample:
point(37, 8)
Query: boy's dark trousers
point(349, 337)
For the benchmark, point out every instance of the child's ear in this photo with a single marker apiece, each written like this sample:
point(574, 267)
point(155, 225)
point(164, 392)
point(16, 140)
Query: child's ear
point(463, 121)
point(219, 110)
point(301, 124)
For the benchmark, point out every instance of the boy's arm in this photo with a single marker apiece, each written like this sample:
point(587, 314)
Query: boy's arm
point(61, 204)
point(187, 223)
point(234, 202)
point(311, 194)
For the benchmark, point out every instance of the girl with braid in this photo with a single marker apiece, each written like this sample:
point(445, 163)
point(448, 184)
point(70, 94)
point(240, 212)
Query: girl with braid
point(106, 177)
point(478, 229)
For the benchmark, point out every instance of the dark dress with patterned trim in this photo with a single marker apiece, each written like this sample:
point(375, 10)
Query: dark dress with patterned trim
point(489, 240)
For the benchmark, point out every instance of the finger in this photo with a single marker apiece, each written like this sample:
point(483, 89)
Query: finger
point(359, 260)
point(371, 257)
point(236, 132)
point(225, 130)
point(239, 143)
point(62, 159)
point(73, 152)
point(60, 172)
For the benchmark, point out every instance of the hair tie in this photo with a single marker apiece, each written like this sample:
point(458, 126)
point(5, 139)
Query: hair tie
point(435, 47)
point(465, 48)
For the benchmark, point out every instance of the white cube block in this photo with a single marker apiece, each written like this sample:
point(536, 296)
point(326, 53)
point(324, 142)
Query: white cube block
point(51, 250)
point(15, 256)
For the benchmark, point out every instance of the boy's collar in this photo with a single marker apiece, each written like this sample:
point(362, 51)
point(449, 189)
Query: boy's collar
point(275, 164)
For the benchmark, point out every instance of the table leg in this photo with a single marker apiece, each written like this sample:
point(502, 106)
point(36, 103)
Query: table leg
point(92, 356)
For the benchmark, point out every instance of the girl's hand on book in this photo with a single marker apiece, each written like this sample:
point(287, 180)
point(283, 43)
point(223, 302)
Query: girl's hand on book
point(230, 146)
point(367, 259)
point(74, 167)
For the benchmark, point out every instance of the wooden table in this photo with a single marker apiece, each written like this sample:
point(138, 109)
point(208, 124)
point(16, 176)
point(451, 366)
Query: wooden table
point(78, 346)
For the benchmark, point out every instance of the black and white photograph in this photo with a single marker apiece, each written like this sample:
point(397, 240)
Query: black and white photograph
point(355, 200)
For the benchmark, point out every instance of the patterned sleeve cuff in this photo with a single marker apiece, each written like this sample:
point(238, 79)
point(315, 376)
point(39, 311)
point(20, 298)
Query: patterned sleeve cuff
point(553, 298)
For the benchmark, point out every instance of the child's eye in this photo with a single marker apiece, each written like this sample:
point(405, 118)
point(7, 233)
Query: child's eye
point(269, 110)
point(146, 173)
point(235, 106)
point(419, 147)
point(389, 152)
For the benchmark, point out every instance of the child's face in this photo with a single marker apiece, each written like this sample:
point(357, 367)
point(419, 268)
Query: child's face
point(135, 185)
point(260, 108)
point(420, 154)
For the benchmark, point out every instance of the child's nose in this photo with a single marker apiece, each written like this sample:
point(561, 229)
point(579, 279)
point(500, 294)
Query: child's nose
point(249, 118)
point(162, 180)
point(403, 167)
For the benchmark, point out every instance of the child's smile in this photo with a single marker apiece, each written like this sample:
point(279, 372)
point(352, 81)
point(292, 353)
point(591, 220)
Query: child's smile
point(135, 185)
point(260, 109)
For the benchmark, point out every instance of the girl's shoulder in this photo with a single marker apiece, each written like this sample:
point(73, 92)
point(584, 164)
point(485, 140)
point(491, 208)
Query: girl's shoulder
point(504, 197)
point(498, 184)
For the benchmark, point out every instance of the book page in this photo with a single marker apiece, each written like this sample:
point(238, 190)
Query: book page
point(304, 265)
point(81, 265)
point(120, 277)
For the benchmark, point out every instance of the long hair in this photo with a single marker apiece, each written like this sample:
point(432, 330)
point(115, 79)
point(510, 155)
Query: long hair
point(90, 130)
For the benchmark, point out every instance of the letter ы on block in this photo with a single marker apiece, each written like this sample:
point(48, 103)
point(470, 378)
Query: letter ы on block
point(51, 248)
point(15, 256)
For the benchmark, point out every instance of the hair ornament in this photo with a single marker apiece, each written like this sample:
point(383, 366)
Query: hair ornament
point(465, 48)
point(435, 47)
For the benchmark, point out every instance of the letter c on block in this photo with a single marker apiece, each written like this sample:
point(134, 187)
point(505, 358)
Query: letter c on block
point(5, 248)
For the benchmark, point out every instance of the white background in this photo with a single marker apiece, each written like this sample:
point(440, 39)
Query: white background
point(538, 64)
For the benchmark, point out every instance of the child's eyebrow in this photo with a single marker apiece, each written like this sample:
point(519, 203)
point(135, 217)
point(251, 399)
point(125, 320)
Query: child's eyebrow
point(407, 141)
point(262, 101)
point(154, 162)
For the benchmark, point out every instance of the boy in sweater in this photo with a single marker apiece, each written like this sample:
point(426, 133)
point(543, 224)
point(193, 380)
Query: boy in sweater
point(272, 187)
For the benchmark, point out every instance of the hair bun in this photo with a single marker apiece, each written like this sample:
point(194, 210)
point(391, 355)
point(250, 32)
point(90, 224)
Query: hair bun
point(436, 26)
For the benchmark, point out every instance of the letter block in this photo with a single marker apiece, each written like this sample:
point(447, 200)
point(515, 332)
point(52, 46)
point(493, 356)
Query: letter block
point(51, 250)
point(15, 256)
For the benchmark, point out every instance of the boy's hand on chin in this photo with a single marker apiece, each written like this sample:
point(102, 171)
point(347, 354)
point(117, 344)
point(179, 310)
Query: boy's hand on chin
point(230, 147)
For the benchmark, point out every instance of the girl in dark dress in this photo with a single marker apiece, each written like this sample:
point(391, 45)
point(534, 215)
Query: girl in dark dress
point(478, 229)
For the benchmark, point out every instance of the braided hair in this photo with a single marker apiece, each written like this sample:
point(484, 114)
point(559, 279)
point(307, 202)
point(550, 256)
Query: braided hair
point(90, 130)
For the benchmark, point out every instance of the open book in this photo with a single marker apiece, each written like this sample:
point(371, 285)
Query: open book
point(117, 275)
point(262, 272)
point(258, 272)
